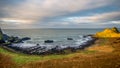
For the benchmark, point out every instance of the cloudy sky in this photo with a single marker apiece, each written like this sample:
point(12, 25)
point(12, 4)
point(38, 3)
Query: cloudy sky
point(59, 13)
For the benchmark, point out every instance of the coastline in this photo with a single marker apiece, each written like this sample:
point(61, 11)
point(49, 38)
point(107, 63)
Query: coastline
point(85, 54)
point(54, 50)
point(88, 58)
point(104, 53)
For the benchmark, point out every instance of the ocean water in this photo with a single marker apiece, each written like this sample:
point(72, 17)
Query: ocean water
point(58, 35)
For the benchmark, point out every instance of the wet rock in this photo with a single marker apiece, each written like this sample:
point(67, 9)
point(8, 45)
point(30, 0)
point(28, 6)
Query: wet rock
point(69, 38)
point(37, 44)
point(48, 41)
point(13, 39)
point(25, 38)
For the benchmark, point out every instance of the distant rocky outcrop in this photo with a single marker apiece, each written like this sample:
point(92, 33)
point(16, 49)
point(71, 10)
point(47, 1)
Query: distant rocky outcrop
point(5, 39)
point(108, 32)
point(1, 37)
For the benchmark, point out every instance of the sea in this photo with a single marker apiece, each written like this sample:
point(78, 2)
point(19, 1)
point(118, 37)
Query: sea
point(56, 34)
point(40, 35)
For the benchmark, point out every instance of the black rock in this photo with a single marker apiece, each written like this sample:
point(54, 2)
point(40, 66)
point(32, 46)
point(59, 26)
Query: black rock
point(84, 36)
point(1, 37)
point(6, 37)
point(13, 39)
point(25, 38)
point(37, 44)
point(48, 41)
point(69, 38)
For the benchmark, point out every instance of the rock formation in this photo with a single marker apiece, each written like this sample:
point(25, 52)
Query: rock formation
point(4, 38)
point(108, 32)
point(48, 41)
point(1, 36)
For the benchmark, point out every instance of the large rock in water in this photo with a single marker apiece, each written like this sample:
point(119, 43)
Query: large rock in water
point(1, 36)
point(25, 38)
point(108, 32)
point(48, 41)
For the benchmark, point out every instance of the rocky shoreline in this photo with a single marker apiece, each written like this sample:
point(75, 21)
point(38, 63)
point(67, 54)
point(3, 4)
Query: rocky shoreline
point(17, 44)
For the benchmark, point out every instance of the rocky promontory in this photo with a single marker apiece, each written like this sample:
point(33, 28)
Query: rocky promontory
point(7, 40)
point(1, 37)
point(108, 33)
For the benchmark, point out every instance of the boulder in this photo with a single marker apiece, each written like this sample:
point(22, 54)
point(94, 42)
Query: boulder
point(69, 38)
point(48, 41)
point(25, 38)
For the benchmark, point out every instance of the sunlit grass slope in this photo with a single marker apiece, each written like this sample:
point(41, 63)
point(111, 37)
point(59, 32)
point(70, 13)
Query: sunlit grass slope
point(108, 32)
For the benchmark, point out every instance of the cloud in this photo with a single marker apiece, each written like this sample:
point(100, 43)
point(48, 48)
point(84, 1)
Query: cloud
point(15, 21)
point(40, 9)
point(96, 18)
point(45, 12)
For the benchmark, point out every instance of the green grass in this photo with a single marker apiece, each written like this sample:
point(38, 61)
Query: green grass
point(20, 58)
point(89, 51)
point(23, 58)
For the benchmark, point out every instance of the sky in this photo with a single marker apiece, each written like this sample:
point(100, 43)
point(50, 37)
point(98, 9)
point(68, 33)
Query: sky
point(20, 14)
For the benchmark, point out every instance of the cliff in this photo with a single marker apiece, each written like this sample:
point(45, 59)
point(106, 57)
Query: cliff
point(108, 32)
point(1, 36)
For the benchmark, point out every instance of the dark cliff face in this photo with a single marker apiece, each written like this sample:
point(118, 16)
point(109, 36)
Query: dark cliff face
point(1, 36)
point(115, 29)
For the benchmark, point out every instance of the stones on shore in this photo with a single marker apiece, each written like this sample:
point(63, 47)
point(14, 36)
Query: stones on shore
point(45, 49)
point(48, 41)
point(17, 44)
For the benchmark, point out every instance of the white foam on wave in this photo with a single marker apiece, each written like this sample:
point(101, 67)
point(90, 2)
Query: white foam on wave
point(83, 40)
point(23, 45)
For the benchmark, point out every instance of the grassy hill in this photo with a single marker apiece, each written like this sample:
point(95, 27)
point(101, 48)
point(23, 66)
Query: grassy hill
point(108, 33)
point(100, 55)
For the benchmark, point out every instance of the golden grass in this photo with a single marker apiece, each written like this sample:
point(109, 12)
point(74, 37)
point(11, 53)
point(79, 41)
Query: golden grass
point(95, 61)
point(108, 32)
point(6, 61)
point(104, 48)
point(99, 55)
point(107, 56)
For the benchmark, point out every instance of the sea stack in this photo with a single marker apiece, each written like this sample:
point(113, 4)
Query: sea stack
point(1, 37)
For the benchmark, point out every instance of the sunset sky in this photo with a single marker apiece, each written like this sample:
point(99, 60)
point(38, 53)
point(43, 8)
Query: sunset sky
point(59, 13)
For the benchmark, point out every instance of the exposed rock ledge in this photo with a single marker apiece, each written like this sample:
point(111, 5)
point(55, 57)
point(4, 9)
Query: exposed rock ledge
point(108, 33)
